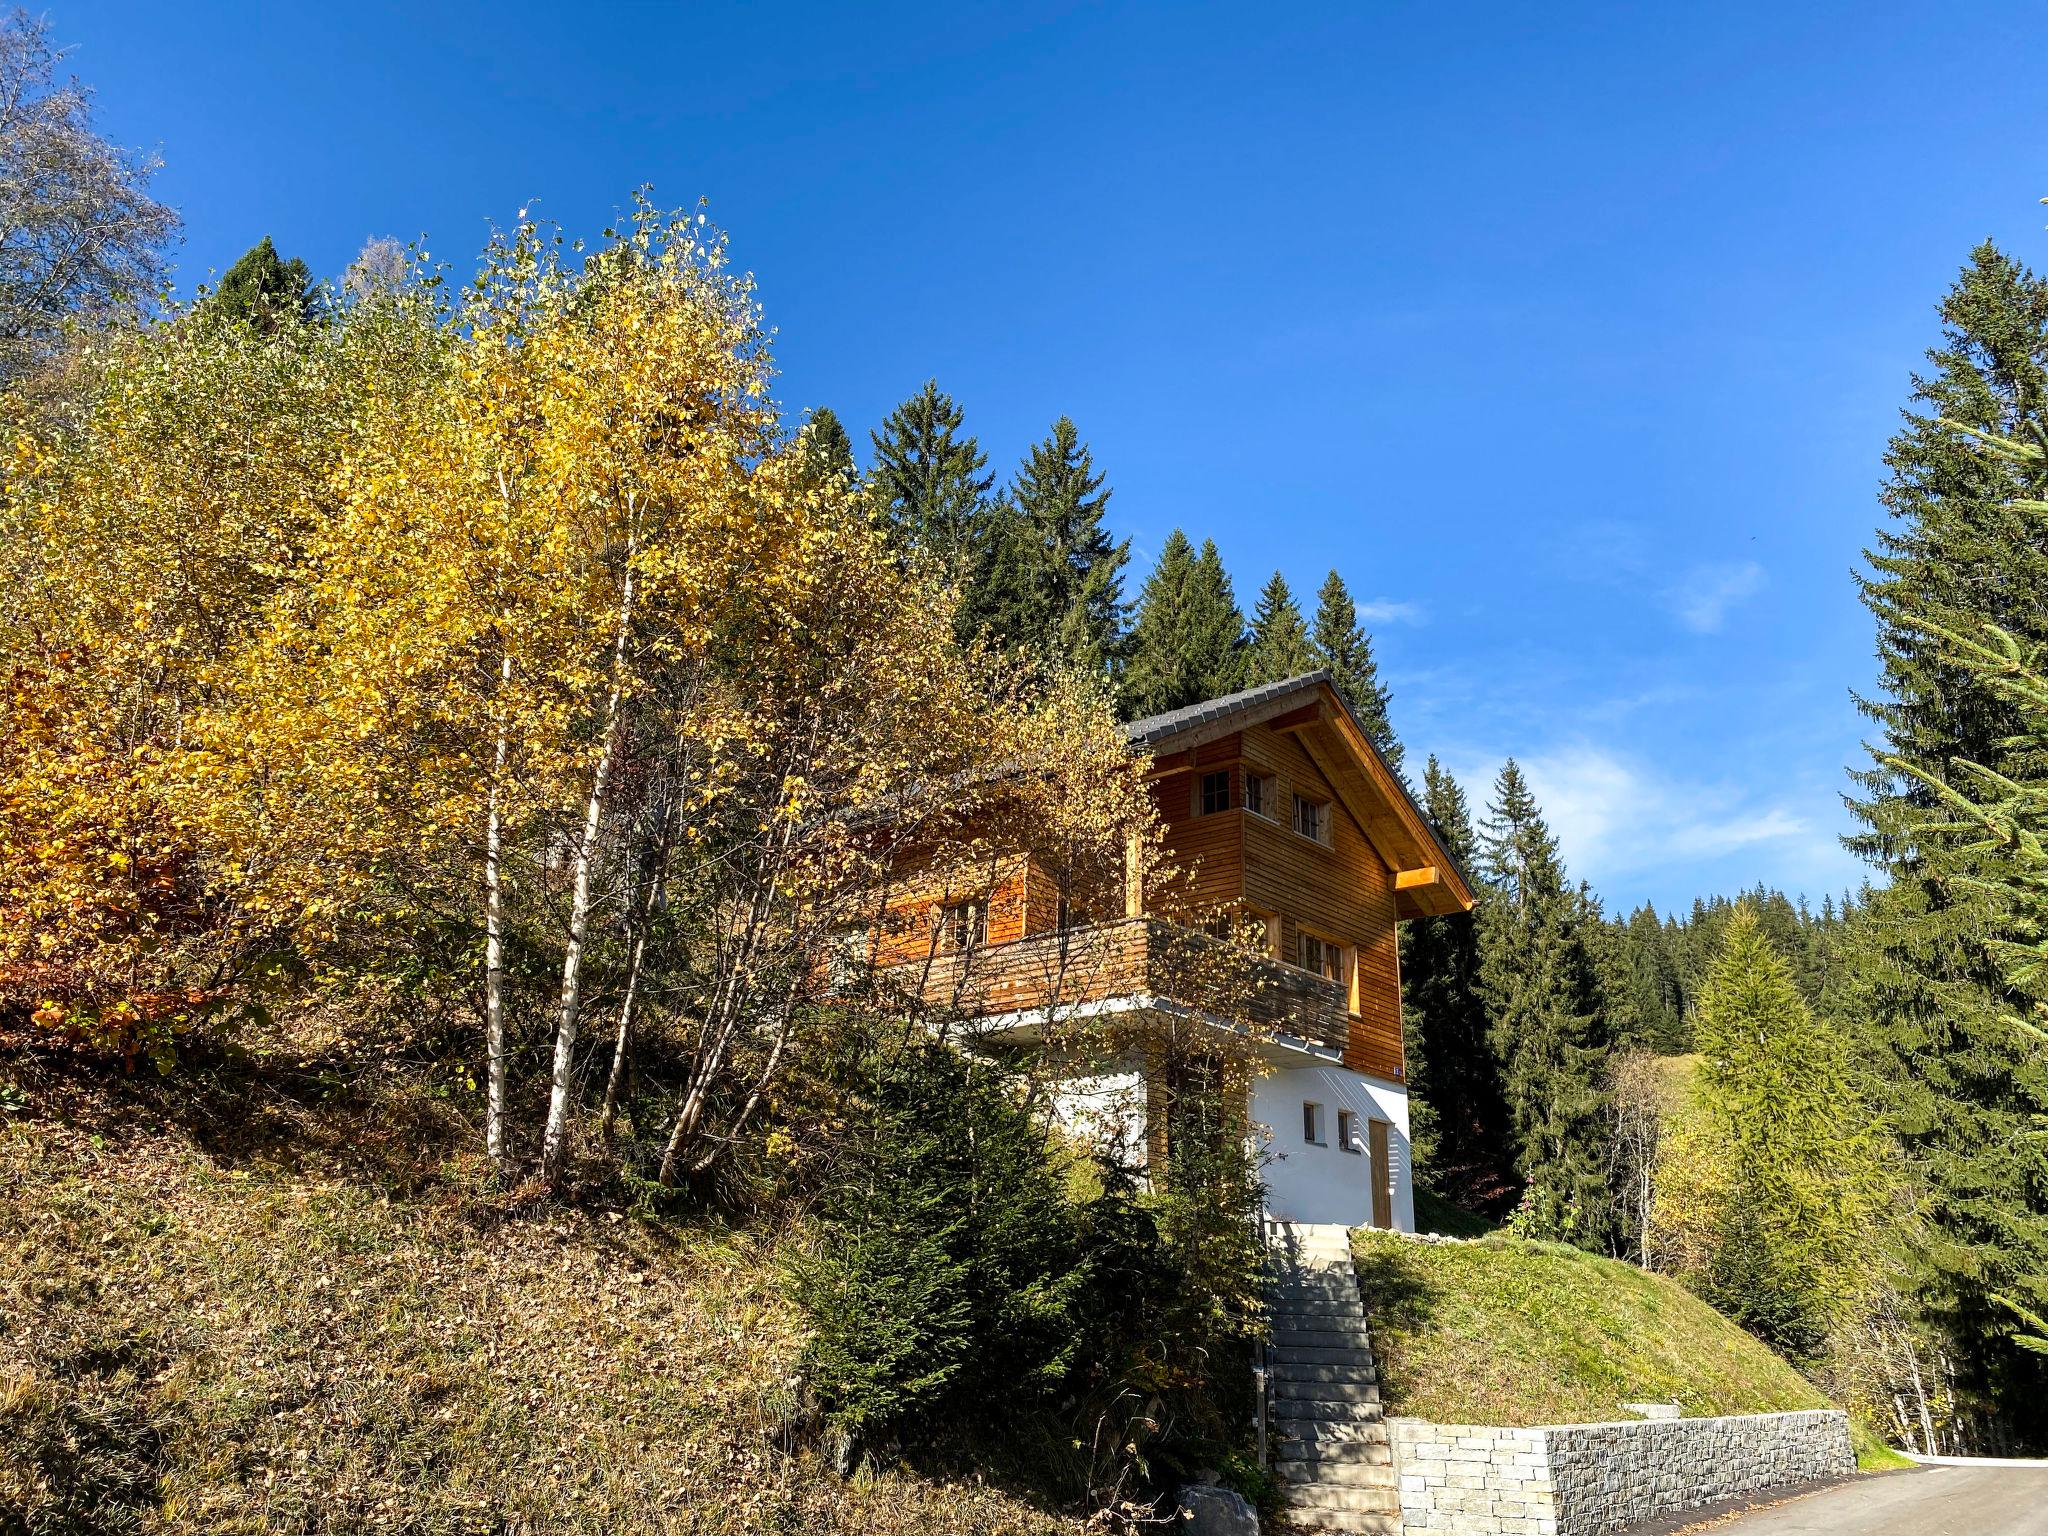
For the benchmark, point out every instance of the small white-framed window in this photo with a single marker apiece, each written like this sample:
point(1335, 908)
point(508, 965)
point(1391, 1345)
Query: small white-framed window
point(1347, 1132)
point(1312, 818)
point(1262, 796)
point(1312, 1123)
point(963, 925)
point(1212, 793)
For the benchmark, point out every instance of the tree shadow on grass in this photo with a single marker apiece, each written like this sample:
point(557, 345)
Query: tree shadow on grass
point(1393, 1285)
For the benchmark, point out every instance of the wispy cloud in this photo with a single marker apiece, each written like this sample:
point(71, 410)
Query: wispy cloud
point(1626, 826)
point(1701, 601)
point(1391, 613)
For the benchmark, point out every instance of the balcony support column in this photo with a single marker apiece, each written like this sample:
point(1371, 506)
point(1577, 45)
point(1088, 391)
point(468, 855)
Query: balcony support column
point(1134, 877)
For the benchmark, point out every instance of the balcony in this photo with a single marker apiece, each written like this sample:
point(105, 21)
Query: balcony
point(1133, 964)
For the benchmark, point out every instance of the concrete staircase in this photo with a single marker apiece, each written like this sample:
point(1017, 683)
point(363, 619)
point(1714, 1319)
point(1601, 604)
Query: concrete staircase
point(1326, 1433)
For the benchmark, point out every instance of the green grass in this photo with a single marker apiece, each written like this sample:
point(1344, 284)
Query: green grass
point(1504, 1331)
point(235, 1324)
point(1437, 1215)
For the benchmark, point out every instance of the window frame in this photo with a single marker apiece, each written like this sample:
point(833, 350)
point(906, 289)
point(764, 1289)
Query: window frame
point(1265, 788)
point(963, 926)
point(1312, 1128)
point(1338, 955)
point(1322, 837)
point(1202, 783)
point(1347, 1132)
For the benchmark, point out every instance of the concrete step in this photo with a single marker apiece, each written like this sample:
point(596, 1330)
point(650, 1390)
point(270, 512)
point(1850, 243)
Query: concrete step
point(1323, 1497)
point(1360, 1442)
point(1317, 1314)
point(1301, 1476)
point(1287, 1390)
point(1349, 1523)
point(1314, 1437)
point(1322, 1376)
point(1319, 1354)
point(1318, 1333)
point(1292, 1411)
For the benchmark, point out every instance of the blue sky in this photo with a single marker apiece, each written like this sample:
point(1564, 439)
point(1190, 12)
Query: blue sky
point(1570, 335)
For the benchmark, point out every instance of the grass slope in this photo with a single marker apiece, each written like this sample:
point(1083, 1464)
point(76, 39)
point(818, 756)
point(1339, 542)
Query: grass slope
point(293, 1312)
point(1504, 1331)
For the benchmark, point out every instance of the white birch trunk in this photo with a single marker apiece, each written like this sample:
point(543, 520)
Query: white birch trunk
point(494, 944)
point(555, 1142)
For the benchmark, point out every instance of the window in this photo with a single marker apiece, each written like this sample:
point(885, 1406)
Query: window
point(1312, 1124)
point(1347, 1132)
point(963, 925)
point(1215, 792)
point(1312, 818)
point(847, 960)
point(1260, 797)
point(1322, 957)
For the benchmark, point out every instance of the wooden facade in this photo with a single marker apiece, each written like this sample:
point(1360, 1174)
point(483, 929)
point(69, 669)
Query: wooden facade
point(1329, 882)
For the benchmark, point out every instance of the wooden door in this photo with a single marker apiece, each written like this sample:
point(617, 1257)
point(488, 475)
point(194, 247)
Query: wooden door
point(1378, 1135)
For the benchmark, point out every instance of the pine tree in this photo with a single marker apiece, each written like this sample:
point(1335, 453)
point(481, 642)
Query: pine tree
point(1543, 995)
point(928, 484)
point(1964, 1089)
point(1280, 647)
point(1458, 1120)
point(1068, 571)
point(1346, 649)
point(1185, 641)
point(266, 292)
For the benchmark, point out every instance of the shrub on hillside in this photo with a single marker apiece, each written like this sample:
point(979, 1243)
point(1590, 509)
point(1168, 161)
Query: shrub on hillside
point(969, 1267)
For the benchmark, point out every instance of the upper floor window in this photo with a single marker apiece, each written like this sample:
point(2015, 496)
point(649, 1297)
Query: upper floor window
point(1322, 957)
point(1214, 793)
point(1312, 818)
point(1260, 796)
point(963, 925)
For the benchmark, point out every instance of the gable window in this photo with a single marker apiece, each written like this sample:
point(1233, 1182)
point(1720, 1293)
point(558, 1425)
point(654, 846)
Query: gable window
point(1312, 818)
point(1322, 957)
point(1347, 1132)
point(1260, 796)
point(1214, 795)
point(1312, 1124)
point(963, 925)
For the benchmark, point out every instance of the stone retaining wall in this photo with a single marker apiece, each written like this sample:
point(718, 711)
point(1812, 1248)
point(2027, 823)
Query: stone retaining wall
point(1584, 1479)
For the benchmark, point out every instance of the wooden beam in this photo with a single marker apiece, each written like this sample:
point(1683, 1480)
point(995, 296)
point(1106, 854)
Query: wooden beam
point(1312, 713)
point(1165, 767)
point(1134, 877)
point(1416, 879)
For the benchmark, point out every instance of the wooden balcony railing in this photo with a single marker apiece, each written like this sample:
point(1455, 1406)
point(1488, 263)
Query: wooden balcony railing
point(1051, 973)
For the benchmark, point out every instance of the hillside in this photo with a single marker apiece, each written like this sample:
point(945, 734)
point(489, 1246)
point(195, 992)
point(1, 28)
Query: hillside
point(289, 1303)
point(1504, 1331)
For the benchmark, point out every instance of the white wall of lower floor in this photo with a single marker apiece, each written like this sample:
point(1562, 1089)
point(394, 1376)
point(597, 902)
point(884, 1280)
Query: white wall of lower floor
point(1329, 1182)
point(1304, 1181)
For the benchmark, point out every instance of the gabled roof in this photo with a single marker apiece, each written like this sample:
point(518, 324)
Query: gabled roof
point(1427, 879)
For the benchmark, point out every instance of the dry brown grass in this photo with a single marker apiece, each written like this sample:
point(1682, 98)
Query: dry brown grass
point(323, 1320)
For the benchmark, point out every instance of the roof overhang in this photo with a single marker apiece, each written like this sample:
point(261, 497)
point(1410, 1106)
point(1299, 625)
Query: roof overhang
point(1427, 881)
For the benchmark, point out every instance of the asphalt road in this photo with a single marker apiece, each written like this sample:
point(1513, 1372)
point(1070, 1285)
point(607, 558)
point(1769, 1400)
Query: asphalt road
point(1929, 1501)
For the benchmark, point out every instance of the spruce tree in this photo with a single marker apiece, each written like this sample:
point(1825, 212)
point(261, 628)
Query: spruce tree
point(1458, 1120)
point(1184, 643)
point(1542, 989)
point(1280, 647)
point(1964, 1088)
point(1346, 649)
point(928, 485)
point(264, 291)
point(1068, 570)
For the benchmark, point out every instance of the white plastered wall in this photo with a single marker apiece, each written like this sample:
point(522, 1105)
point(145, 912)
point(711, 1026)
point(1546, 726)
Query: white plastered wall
point(1326, 1183)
